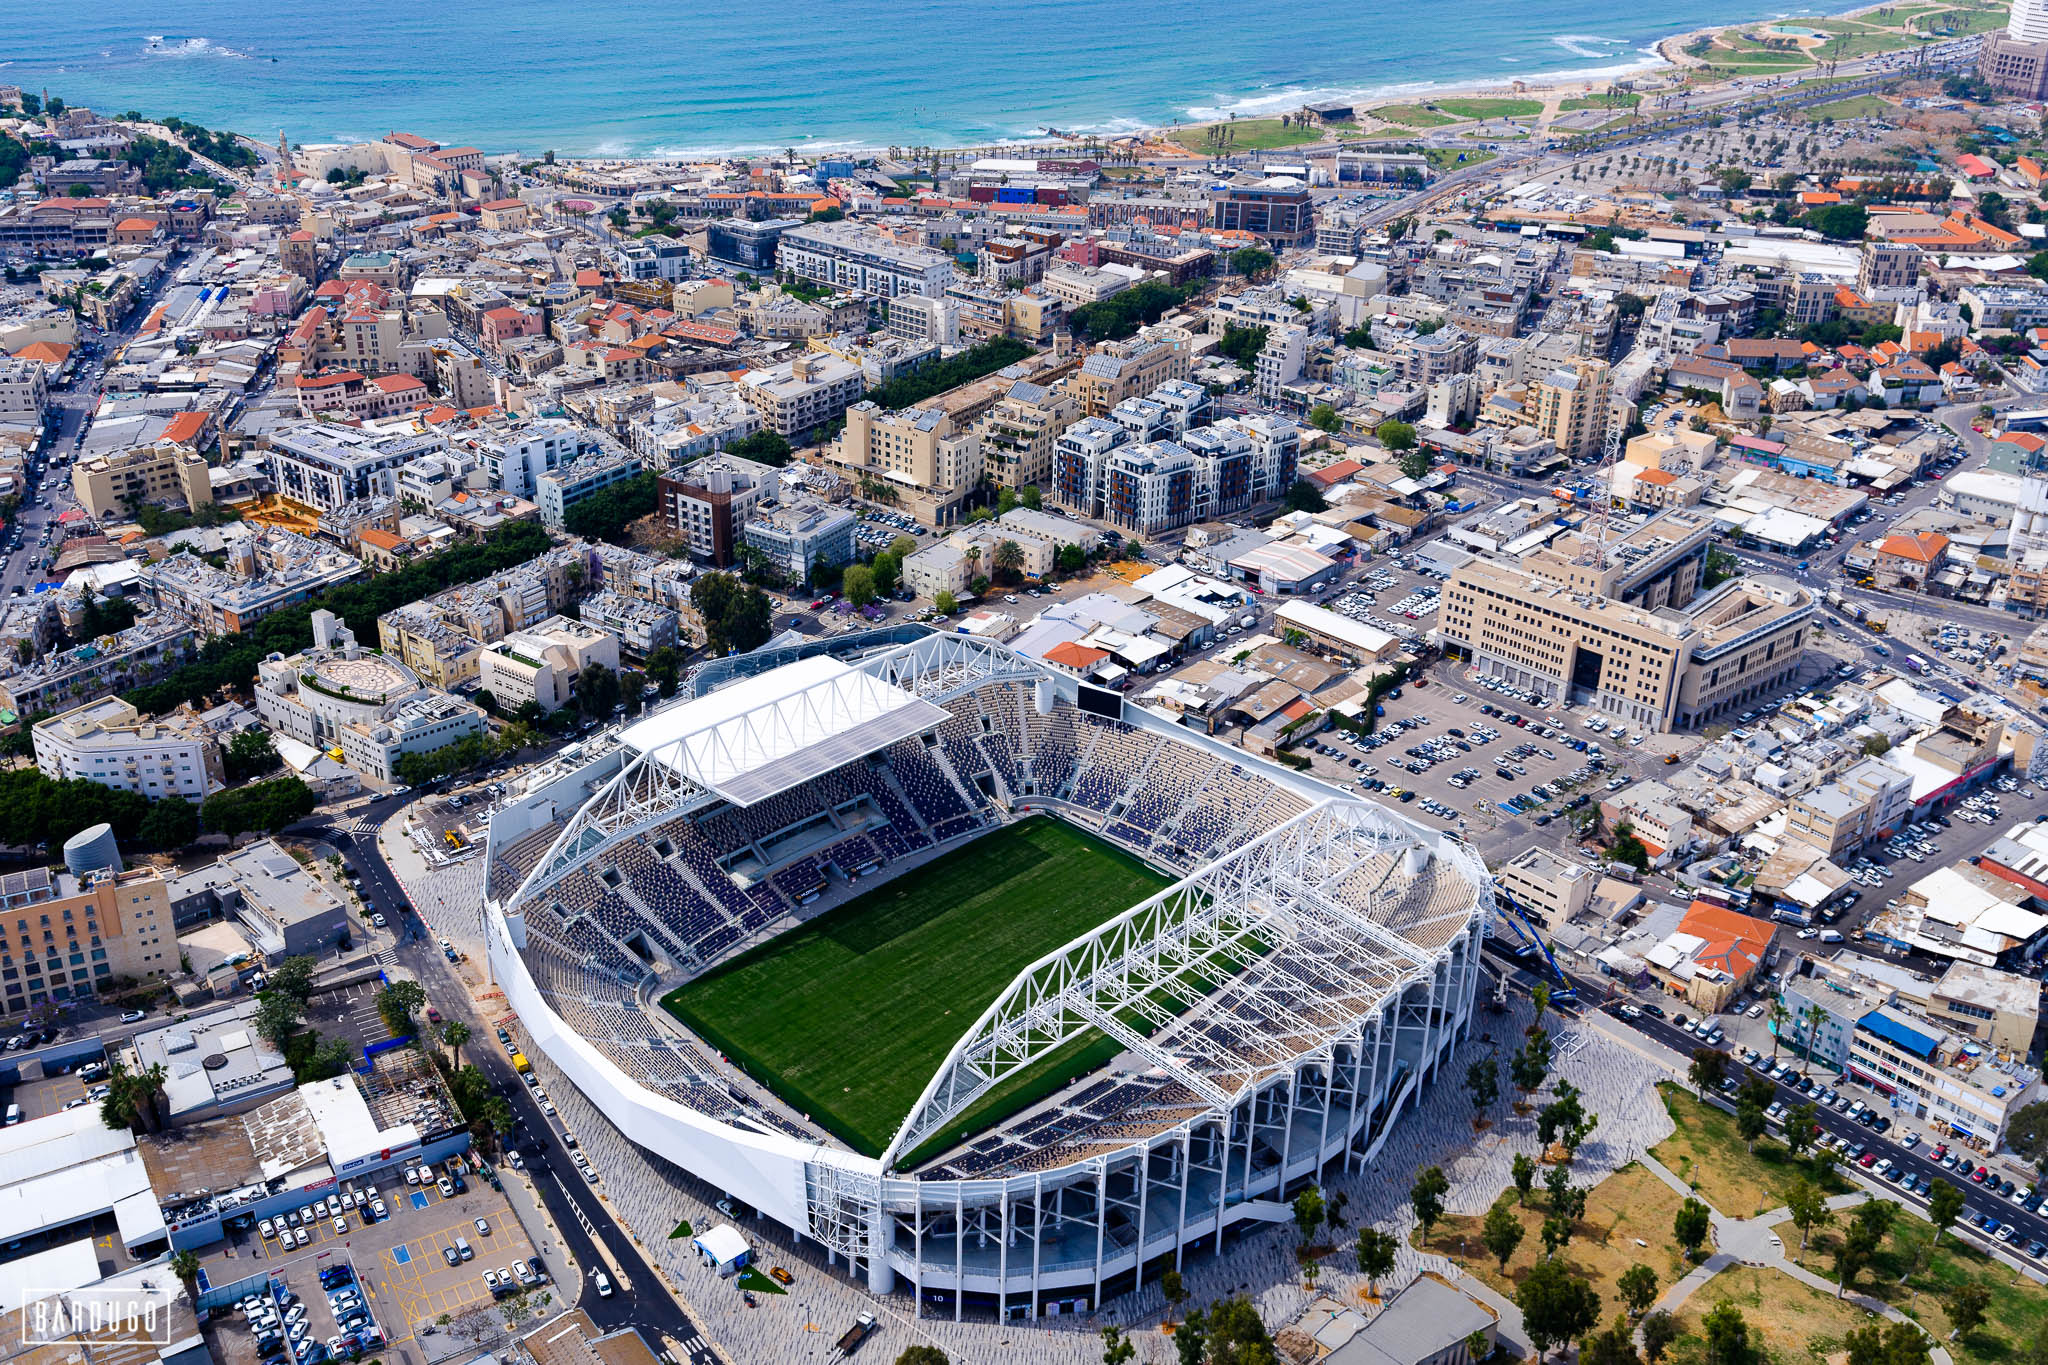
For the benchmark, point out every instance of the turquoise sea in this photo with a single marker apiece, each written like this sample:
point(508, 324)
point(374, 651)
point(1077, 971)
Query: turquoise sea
point(664, 76)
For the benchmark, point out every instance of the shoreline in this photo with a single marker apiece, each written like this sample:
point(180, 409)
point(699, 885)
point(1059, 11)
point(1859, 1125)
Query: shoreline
point(1663, 55)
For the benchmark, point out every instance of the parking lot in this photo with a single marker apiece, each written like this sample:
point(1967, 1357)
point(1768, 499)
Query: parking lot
point(409, 1262)
point(1463, 758)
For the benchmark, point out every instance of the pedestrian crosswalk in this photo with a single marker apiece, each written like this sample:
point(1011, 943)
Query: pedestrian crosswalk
point(358, 825)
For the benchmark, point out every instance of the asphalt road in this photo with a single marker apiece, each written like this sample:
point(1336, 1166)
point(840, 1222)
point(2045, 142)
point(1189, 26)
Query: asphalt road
point(2029, 1226)
point(571, 1202)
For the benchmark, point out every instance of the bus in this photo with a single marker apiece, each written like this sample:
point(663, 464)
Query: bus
point(1916, 663)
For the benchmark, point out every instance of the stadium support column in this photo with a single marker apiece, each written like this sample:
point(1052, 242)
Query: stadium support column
point(959, 1249)
point(881, 1275)
point(1187, 1173)
point(1037, 1235)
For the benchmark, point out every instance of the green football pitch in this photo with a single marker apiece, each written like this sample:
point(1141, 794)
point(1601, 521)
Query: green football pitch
point(849, 1016)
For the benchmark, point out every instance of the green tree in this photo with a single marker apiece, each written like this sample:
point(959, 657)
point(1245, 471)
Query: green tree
point(1530, 1065)
point(171, 823)
point(1191, 1339)
point(1174, 1290)
point(455, 1033)
point(605, 514)
point(1008, 561)
point(763, 447)
point(1241, 345)
point(1615, 1345)
point(597, 690)
point(1395, 436)
point(1252, 262)
point(260, 806)
point(945, 602)
point(1944, 1205)
point(1557, 1234)
point(1426, 1196)
point(1809, 1209)
point(293, 978)
point(1482, 1079)
point(1377, 1252)
point(277, 1017)
point(1304, 496)
point(1556, 1306)
point(1414, 464)
point(1502, 1234)
point(1116, 1349)
point(1709, 1068)
point(398, 1003)
point(1309, 1213)
point(737, 617)
point(1852, 1254)
point(1323, 417)
point(1727, 1336)
point(1658, 1331)
point(1638, 1288)
point(1750, 1123)
point(1524, 1171)
point(1236, 1335)
point(1691, 1225)
point(858, 584)
point(1966, 1305)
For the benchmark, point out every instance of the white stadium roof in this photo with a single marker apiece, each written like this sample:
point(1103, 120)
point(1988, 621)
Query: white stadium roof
point(764, 735)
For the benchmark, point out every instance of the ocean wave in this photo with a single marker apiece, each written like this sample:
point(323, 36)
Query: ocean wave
point(158, 46)
point(1585, 44)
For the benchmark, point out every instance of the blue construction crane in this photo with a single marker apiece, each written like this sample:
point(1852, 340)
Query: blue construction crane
point(1531, 942)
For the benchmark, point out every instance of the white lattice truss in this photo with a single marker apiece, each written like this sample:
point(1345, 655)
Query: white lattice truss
point(653, 786)
point(1228, 976)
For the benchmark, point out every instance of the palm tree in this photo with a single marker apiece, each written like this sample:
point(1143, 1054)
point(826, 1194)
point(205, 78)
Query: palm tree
point(455, 1033)
point(185, 1266)
point(1008, 558)
point(1812, 1015)
point(1779, 1017)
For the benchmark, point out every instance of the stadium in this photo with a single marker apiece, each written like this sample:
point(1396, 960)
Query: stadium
point(972, 974)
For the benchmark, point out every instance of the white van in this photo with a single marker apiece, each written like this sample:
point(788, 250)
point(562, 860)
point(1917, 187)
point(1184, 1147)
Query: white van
point(13, 1115)
point(1830, 936)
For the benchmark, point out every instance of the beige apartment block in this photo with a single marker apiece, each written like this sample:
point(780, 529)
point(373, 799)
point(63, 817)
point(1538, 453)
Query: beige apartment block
point(108, 485)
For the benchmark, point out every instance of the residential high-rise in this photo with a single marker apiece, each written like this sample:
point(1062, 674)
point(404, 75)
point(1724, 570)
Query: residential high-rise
point(1571, 406)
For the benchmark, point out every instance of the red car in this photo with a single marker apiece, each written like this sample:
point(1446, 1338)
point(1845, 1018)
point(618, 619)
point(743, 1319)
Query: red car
point(1869, 1159)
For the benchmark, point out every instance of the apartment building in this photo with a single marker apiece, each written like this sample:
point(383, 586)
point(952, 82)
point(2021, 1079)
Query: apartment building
point(1281, 210)
point(847, 255)
point(1546, 886)
point(323, 466)
point(916, 454)
point(267, 570)
point(541, 664)
point(1079, 457)
point(1150, 488)
point(640, 627)
point(1871, 800)
point(929, 321)
point(560, 489)
point(747, 243)
point(800, 536)
point(370, 706)
point(515, 456)
point(109, 742)
point(708, 503)
point(657, 256)
point(1935, 1075)
point(1572, 405)
point(146, 652)
point(109, 486)
point(66, 937)
point(441, 654)
point(1998, 1009)
point(24, 392)
point(1664, 662)
point(803, 393)
point(1127, 369)
point(1019, 432)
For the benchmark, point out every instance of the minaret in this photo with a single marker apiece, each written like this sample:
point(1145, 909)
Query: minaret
point(284, 161)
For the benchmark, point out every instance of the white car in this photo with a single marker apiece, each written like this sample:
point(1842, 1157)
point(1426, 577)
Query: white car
point(267, 1228)
point(412, 1175)
point(340, 1226)
point(300, 1237)
point(483, 1228)
point(377, 1208)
